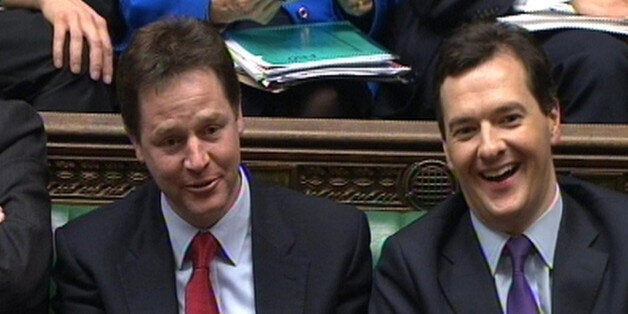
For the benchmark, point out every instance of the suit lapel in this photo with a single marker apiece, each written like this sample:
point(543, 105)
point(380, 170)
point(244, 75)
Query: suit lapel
point(580, 262)
point(464, 275)
point(147, 269)
point(280, 277)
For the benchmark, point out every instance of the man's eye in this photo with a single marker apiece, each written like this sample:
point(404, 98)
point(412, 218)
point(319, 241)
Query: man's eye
point(211, 130)
point(171, 142)
point(464, 132)
point(511, 120)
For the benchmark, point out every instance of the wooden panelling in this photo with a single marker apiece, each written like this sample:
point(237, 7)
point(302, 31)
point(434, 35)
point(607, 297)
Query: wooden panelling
point(381, 165)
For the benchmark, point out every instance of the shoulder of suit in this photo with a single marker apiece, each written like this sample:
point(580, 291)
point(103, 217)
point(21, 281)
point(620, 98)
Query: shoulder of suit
point(589, 194)
point(115, 213)
point(434, 224)
point(607, 207)
point(297, 204)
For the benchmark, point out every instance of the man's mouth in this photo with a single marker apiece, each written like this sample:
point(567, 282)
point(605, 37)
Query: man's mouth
point(201, 185)
point(500, 174)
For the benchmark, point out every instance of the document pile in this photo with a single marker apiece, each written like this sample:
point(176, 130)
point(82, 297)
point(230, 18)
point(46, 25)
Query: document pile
point(541, 21)
point(274, 58)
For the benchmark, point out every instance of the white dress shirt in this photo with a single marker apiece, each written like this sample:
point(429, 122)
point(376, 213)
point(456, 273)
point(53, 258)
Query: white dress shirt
point(231, 273)
point(538, 267)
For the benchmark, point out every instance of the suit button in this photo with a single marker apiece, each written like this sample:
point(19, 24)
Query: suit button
point(303, 13)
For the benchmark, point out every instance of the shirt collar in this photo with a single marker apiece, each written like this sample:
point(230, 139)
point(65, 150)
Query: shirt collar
point(230, 231)
point(543, 233)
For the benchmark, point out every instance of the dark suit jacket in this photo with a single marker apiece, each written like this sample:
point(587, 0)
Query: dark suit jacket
point(436, 264)
point(25, 235)
point(310, 255)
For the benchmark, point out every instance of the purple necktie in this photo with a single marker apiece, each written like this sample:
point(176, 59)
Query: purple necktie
point(520, 298)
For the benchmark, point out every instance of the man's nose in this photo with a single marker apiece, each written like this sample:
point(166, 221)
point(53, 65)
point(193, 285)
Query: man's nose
point(491, 142)
point(197, 155)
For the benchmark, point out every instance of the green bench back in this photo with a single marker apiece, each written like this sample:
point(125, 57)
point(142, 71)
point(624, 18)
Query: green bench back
point(382, 223)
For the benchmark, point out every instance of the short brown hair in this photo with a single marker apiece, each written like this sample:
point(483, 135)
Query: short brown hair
point(474, 44)
point(164, 49)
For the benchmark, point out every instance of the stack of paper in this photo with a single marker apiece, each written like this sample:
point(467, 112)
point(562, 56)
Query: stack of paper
point(547, 21)
point(278, 57)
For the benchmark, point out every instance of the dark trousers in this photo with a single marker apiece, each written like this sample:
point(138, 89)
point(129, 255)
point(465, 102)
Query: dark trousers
point(28, 74)
point(591, 71)
point(590, 68)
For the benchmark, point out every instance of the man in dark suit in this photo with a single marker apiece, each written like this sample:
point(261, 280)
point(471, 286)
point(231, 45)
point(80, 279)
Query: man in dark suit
point(589, 66)
point(515, 236)
point(277, 251)
point(25, 235)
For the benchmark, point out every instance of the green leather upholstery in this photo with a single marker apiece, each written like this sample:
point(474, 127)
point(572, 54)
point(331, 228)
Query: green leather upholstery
point(382, 223)
point(62, 213)
point(385, 223)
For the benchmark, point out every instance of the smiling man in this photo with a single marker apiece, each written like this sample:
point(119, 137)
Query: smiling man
point(515, 239)
point(204, 236)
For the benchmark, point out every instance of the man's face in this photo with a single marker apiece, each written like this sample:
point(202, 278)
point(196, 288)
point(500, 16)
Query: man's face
point(498, 143)
point(190, 144)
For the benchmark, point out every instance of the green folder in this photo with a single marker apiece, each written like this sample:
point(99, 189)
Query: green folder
point(278, 57)
point(306, 45)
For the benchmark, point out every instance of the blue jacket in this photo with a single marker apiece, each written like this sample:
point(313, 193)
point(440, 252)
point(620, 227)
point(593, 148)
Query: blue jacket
point(137, 13)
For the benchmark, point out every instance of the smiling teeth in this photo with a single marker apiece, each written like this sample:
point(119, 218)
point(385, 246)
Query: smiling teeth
point(200, 184)
point(498, 173)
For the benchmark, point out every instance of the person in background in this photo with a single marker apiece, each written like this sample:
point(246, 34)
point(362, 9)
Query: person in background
point(516, 238)
point(589, 66)
point(25, 233)
point(329, 98)
point(57, 55)
point(204, 236)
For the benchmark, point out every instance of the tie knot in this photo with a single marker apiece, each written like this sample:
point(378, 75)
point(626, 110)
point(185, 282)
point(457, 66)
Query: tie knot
point(204, 247)
point(518, 248)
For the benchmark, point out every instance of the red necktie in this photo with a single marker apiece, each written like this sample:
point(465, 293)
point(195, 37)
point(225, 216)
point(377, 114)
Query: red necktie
point(199, 295)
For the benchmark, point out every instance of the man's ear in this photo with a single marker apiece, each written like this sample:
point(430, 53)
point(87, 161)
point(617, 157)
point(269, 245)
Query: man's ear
point(555, 126)
point(449, 164)
point(137, 146)
point(240, 123)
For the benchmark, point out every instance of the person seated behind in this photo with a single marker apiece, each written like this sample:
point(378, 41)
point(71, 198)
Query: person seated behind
point(329, 98)
point(278, 251)
point(499, 118)
point(589, 66)
point(25, 233)
point(42, 59)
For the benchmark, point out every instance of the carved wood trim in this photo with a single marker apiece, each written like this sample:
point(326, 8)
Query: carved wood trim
point(383, 165)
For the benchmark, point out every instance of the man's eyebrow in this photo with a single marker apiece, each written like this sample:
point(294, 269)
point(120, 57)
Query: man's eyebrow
point(207, 117)
point(459, 121)
point(164, 129)
point(507, 107)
